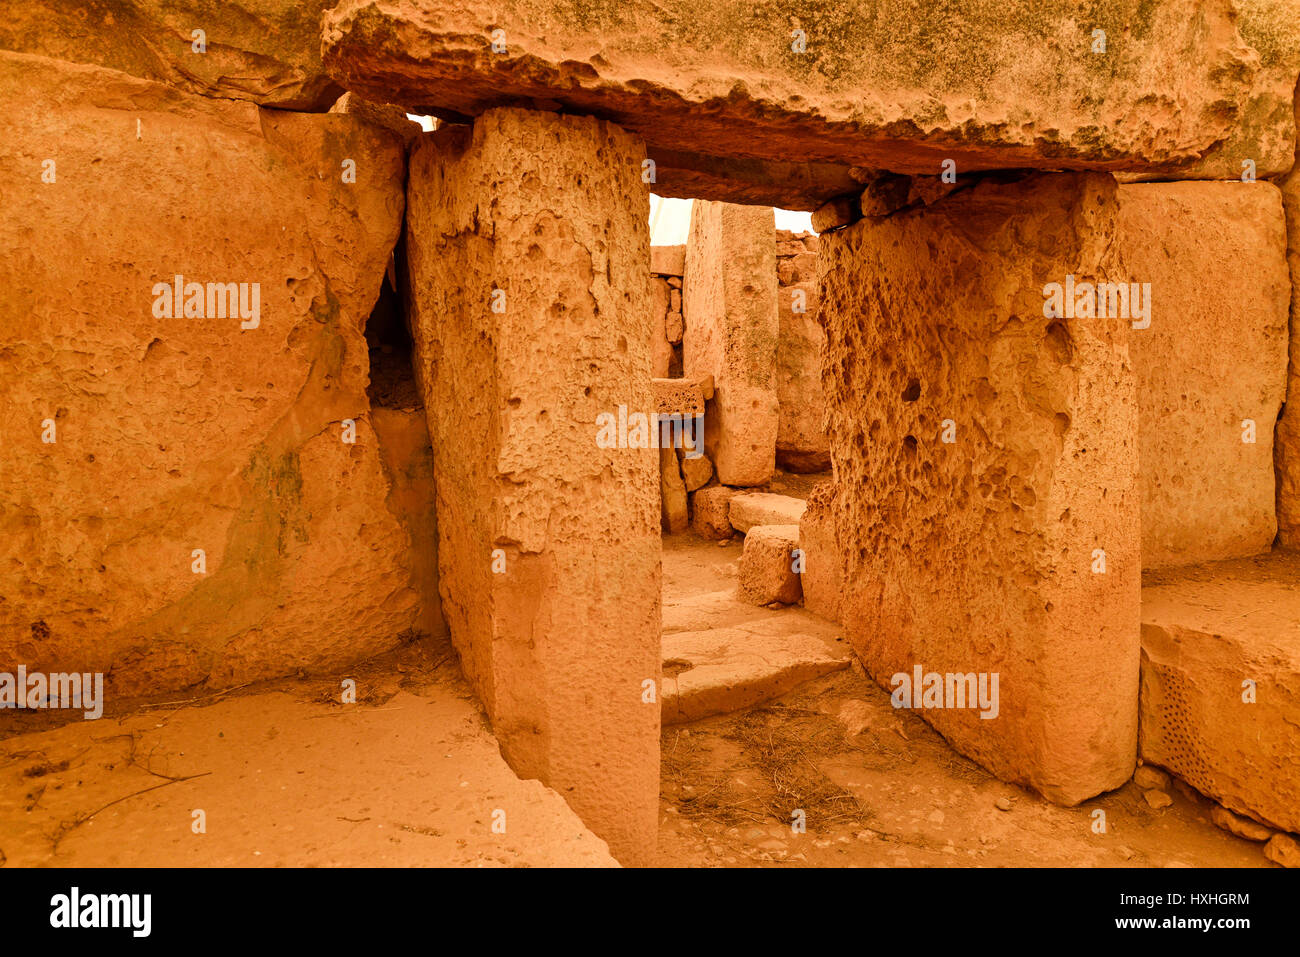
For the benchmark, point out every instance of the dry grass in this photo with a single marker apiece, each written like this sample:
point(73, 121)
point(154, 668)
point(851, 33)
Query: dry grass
point(782, 746)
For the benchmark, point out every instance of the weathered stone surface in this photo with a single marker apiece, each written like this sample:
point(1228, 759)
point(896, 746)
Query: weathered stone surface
point(696, 470)
point(1283, 849)
point(668, 260)
point(731, 334)
point(1264, 131)
point(1243, 827)
point(183, 433)
point(407, 455)
point(764, 508)
point(1206, 631)
point(1287, 452)
point(674, 328)
point(266, 51)
point(801, 443)
point(711, 511)
point(978, 555)
point(379, 114)
point(559, 642)
point(767, 566)
point(823, 576)
point(672, 493)
point(662, 351)
point(1213, 359)
point(753, 182)
point(727, 669)
point(677, 396)
point(1001, 86)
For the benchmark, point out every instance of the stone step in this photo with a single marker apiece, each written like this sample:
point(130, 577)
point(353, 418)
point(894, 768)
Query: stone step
point(764, 508)
point(1211, 634)
point(726, 669)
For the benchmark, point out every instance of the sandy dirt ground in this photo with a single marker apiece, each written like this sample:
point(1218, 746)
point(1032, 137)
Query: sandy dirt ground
point(286, 775)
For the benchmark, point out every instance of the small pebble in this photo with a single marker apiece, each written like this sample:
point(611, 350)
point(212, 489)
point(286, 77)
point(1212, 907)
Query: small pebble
point(1003, 804)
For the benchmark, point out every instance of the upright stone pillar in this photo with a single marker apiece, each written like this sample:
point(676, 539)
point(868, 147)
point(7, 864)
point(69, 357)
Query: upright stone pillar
point(528, 242)
point(730, 305)
point(986, 459)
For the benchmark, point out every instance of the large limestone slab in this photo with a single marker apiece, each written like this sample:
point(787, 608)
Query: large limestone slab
point(1221, 689)
point(978, 555)
point(1211, 368)
point(167, 433)
point(764, 508)
point(822, 576)
point(730, 305)
point(1013, 85)
point(267, 51)
point(422, 764)
point(1287, 454)
point(801, 444)
point(549, 543)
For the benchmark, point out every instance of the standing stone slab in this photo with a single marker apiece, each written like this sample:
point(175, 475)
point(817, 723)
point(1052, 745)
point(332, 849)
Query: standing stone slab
point(559, 638)
point(1212, 362)
point(177, 432)
point(1287, 453)
point(730, 307)
point(801, 438)
point(978, 556)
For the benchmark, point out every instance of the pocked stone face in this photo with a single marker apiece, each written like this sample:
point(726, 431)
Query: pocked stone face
point(179, 495)
point(266, 51)
point(985, 457)
point(826, 85)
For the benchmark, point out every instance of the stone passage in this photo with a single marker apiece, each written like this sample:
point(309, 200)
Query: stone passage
point(985, 456)
point(729, 306)
point(1211, 366)
point(528, 241)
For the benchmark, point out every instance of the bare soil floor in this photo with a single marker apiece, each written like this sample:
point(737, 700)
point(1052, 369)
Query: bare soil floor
point(879, 788)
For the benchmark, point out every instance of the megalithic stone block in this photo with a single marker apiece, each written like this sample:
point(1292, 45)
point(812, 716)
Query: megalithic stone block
point(1287, 452)
point(528, 239)
point(1211, 365)
point(176, 430)
point(1026, 83)
point(985, 458)
point(730, 306)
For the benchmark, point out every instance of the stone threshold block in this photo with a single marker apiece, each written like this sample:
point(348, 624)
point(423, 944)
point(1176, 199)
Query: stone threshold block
point(1210, 353)
point(1220, 704)
point(986, 501)
point(528, 240)
point(727, 669)
point(748, 509)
